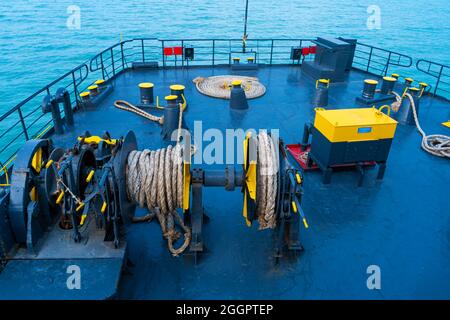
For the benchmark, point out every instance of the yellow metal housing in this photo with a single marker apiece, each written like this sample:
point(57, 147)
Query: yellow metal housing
point(347, 125)
point(186, 185)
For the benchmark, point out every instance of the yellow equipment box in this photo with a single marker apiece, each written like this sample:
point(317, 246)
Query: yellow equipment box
point(348, 125)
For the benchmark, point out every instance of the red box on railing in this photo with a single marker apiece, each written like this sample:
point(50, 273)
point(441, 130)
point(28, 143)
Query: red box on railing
point(178, 51)
point(168, 51)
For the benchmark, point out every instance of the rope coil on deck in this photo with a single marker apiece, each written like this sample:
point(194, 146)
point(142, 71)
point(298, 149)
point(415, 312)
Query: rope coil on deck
point(435, 144)
point(267, 177)
point(219, 86)
point(155, 180)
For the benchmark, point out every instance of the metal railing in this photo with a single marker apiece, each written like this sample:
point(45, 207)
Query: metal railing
point(377, 60)
point(24, 121)
point(441, 74)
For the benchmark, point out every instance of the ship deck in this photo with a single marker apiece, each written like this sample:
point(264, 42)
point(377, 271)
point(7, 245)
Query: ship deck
point(400, 223)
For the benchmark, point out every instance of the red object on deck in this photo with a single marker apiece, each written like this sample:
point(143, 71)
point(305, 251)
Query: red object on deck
point(178, 51)
point(312, 50)
point(168, 51)
point(302, 158)
point(305, 51)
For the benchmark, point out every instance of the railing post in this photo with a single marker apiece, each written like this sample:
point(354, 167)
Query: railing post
point(438, 79)
point(370, 59)
point(388, 63)
point(112, 61)
point(25, 132)
point(123, 56)
point(271, 52)
point(162, 49)
point(213, 52)
point(75, 88)
point(103, 66)
point(182, 50)
point(143, 51)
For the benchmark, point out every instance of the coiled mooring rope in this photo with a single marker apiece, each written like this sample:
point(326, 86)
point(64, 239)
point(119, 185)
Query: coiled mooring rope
point(435, 144)
point(219, 86)
point(155, 180)
point(267, 177)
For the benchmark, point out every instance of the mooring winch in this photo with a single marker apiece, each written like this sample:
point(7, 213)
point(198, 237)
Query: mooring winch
point(50, 185)
point(164, 181)
point(102, 179)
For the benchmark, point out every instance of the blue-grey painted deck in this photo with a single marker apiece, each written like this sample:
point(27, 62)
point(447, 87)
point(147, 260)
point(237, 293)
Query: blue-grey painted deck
point(401, 224)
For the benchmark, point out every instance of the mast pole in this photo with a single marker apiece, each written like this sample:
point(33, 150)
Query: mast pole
point(244, 38)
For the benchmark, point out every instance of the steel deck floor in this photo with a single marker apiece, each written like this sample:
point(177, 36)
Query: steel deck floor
point(401, 224)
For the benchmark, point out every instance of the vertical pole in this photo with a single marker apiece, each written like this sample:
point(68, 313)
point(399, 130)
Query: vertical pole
point(103, 67)
point(182, 50)
point(112, 61)
point(213, 51)
point(271, 52)
point(123, 56)
point(162, 48)
point(143, 53)
point(438, 80)
point(370, 59)
point(75, 89)
point(245, 25)
point(25, 132)
point(388, 63)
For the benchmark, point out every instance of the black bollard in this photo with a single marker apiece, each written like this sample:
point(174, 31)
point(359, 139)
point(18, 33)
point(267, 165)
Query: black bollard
point(171, 117)
point(101, 84)
point(320, 99)
point(178, 90)
point(408, 82)
point(423, 87)
point(63, 96)
point(405, 113)
point(387, 86)
point(146, 91)
point(49, 104)
point(238, 100)
point(93, 90)
point(370, 86)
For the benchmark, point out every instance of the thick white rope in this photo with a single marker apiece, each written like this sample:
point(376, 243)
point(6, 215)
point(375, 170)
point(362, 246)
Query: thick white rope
point(125, 105)
point(155, 180)
point(435, 144)
point(219, 86)
point(267, 180)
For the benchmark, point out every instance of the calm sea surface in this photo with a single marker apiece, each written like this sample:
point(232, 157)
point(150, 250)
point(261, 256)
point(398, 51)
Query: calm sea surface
point(36, 45)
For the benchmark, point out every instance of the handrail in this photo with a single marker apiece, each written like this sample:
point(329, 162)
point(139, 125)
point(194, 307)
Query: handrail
point(442, 71)
point(22, 103)
point(382, 59)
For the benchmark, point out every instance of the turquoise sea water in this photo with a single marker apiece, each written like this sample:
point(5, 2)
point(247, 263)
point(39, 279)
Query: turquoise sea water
point(36, 46)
